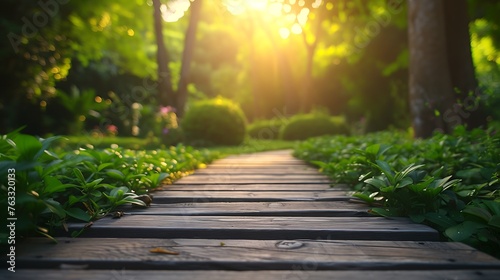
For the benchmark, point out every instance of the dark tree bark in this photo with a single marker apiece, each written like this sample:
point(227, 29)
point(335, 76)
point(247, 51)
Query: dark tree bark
point(307, 86)
point(443, 87)
point(431, 92)
point(187, 55)
point(466, 110)
point(165, 94)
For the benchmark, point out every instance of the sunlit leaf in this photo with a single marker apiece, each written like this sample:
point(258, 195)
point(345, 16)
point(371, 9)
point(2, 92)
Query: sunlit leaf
point(378, 183)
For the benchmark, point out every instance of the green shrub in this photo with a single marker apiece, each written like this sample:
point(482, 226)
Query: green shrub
point(301, 127)
point(172, 137)
point(266, 129)
point(214, 122)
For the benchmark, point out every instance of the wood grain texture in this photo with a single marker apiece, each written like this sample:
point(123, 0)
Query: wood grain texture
point(101, 253)
point(242, 196)
point(297, 274)
point(253, 179)
point(257, 171)
point(293, 208)
point(243, 227)
point(253, 187)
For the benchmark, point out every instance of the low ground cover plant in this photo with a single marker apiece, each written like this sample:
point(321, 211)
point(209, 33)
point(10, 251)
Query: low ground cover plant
point(450, 182)
point(51, 188)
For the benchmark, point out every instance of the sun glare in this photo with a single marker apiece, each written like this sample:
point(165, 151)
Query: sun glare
point(284, 32)
point(174, 10)
point(278, 14)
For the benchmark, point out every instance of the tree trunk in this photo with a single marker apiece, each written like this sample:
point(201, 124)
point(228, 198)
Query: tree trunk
point(430, 79)
point(305, 88)
point(291, 94)
point(187, 55)
point(465, 110)
point(165, 92)
point(307, 80)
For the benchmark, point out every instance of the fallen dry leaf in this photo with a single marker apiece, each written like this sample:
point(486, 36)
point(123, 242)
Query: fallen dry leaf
point(159, 250)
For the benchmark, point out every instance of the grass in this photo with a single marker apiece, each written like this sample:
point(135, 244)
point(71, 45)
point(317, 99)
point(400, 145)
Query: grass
point(250, 145)
point(253, 146)
point(104, 142)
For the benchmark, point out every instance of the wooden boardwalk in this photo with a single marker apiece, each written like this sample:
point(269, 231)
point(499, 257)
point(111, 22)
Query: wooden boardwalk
point(259, 216)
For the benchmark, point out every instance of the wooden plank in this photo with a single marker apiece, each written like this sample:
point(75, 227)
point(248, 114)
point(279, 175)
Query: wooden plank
point(257, 165)
point(193, 254)
point(260, 160)
point(251, 179)
point(299, 209)
point(258, 177)
point(256, 171)
point(242, 196)
point(288, 168)
point(297, 274)
point(254, 187)
point(243, 227)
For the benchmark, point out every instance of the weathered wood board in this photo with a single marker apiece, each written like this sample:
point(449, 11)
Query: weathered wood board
point(242, 196)
point(243, 227)
point(257, 171)
point(253, 187)
point(252, 168)
point(288, 208)
point(253, 179)
point(296, 274)
point(184, 254)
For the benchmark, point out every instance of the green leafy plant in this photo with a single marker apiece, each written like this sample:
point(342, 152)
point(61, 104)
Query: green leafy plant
point(450, 182)
point(85, 184)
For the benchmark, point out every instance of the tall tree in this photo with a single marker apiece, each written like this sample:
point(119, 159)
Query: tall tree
point(466, 109)
point(167, 95)
point(440, 66)
point(165, 90)
point(187, 56)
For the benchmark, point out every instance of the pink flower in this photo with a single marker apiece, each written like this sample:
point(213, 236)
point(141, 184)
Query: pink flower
point(166, 109)
point(113, 129)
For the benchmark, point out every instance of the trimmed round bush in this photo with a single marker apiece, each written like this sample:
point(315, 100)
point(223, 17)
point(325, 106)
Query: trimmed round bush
point(216, 121)
point(265, 129)
point(301, 127)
